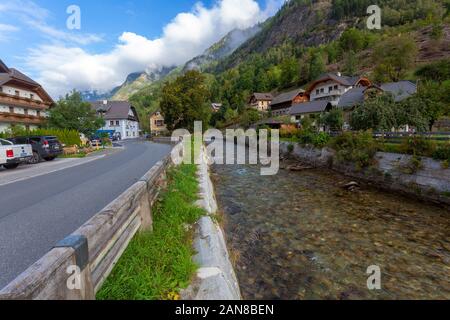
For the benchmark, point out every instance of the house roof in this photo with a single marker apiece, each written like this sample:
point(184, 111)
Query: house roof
point(401, 89)
point(263, 96)
point(344, 80)
point(309, 107)
point(14, 76)
point(115, 110)
point(352, 98)
point(287, 96)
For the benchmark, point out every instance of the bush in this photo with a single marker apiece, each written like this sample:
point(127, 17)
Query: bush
point(414, 165)
point(308, 137)
point(65, 136)
point(442, 152)
point(288, 132)
point(359, 148)
point(418, 146)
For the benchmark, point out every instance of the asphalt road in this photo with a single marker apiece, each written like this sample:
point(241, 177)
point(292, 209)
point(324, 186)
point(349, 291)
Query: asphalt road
point(38, 212)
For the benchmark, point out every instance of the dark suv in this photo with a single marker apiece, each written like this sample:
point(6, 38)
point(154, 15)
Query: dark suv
point(44, 147)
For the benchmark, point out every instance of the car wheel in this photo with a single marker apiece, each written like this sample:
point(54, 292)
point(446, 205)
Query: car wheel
point(11, 166)
point(36, 158)
point(49, 158)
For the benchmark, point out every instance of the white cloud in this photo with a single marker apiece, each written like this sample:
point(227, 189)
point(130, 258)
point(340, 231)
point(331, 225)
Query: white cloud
point(35, 17)
point(62, 67)
point(6, 30)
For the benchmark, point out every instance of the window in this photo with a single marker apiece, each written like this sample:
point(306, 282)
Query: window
point(31, 96)
point(317, 91)
point(1, 89)
point(322, 90)
point(159, 123)
point(17, 92)
point(336, 87)
point(117, 123)
point(111, 123)
point(330, 89)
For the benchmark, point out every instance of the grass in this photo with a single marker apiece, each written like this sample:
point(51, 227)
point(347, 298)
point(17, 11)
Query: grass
point(157, 265)
point(78, 155)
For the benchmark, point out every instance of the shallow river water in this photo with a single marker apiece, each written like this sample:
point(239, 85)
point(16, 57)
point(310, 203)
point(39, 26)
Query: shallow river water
point(299, 235)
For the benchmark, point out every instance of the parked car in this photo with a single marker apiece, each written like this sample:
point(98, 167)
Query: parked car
point(44, 147)
point(12, 155)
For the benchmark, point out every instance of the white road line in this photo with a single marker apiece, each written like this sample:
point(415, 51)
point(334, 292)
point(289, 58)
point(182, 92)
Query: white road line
point(35, 173)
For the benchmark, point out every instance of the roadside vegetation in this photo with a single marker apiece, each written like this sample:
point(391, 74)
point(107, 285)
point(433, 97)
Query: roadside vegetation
point(65, 136)
point(158, 264)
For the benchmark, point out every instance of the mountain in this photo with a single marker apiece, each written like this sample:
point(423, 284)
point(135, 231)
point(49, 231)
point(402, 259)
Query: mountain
point(222, 49)
point(139, 80)
point(95, 95)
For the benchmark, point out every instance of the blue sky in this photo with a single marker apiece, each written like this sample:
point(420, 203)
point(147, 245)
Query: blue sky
point(116, 37)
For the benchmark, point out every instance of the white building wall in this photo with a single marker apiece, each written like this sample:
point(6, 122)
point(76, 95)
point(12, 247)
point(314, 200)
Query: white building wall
point(22, 93)
point(4, 127)
point(324, 91)
point(128, 129)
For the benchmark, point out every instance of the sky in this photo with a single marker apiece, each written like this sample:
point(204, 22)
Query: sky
point(115, 37)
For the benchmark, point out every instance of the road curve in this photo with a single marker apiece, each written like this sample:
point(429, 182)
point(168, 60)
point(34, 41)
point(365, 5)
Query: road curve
point(38, 212)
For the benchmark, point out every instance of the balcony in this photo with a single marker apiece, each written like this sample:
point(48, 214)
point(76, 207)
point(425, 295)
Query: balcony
point(11, 100)
point(21, 118)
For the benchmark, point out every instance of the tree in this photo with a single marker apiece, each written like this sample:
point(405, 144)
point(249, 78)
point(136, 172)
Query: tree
point(393, 57)
point(436, 71)
point(184, 101)
point(334, 119)
point(289, 72)
point(74, 114)
point(352, 40)
point(316, 66)
point(376, 113)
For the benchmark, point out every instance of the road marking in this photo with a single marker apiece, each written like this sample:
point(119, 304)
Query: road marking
point(65, 165)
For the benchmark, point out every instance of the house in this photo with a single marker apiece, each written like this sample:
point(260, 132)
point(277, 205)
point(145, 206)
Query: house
point(23, 101)
point(311, 108)
point(260, 101)
point(282, 103)
point(120, 117)
point(331, 87)
point(400, 91)
point(157, 124)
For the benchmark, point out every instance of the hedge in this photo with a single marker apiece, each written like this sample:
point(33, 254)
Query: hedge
point(65, 136)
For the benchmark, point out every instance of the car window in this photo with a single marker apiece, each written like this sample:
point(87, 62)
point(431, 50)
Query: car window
point(20, 141)
point(5, 142)
point(35, 140)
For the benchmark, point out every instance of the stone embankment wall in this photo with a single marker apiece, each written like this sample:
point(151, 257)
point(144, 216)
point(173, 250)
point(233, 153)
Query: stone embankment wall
point(216, 279)
point(430, 183)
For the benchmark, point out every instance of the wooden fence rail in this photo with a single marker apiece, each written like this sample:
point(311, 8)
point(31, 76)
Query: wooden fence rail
point(78, 266)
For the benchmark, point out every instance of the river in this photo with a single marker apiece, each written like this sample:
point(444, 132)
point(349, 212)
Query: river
point(300, 235)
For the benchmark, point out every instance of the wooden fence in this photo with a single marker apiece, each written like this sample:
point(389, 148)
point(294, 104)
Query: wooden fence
point(76, 268)
point(398, 137)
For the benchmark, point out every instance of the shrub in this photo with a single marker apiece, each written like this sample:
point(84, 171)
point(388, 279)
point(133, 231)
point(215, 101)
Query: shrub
point(413, 165)
point(290, 148)
point(359, 148)
point(288, 132)
point(418, 146)
point(308, 137)
point(65, 136)
point(442, 152)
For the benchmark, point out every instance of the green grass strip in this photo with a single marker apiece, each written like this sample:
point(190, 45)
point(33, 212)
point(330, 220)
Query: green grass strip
point(157, 265)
